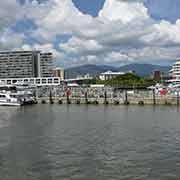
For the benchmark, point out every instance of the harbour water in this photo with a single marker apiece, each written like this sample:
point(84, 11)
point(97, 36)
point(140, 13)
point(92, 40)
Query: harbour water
point(79, 142)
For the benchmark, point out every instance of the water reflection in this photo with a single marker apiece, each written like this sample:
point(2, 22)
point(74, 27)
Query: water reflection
point(52, 142)
point(25, 155)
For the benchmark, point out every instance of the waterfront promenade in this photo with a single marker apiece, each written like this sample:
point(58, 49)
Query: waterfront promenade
point(168, 100)
point(96, 96)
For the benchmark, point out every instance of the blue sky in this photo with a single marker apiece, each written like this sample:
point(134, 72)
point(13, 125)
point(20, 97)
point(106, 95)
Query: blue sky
point(164, 9)
point(112, 32)
point(91, 7)
point(158, 9)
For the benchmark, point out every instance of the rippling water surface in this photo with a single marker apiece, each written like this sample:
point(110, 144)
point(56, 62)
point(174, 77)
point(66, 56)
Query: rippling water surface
point(61, 142)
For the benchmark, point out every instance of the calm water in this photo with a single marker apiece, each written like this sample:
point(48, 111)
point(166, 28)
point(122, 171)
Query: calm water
point(60, 142)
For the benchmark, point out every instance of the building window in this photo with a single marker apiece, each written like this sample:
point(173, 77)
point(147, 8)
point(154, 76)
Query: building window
point(32, 81)
point(43, 81)
point(14, 81)
point(38, 81)
point(56, 80)
point(49, 81)
point(26, 80)
point(8, 81)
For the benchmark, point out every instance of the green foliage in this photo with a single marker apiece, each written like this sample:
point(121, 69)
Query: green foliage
point(126, 80)
point(89, 81)
point(129, 80)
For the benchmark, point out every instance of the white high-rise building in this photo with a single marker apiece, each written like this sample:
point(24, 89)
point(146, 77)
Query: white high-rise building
point(25, 64)
point(175, 71)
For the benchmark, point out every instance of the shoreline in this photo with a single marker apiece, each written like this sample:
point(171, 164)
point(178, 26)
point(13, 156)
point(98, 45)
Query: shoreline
point(171, 101)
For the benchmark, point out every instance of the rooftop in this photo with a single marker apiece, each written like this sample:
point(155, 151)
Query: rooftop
point(58, 68)
point(18, 51)
point(178, 62)
point(112, 73)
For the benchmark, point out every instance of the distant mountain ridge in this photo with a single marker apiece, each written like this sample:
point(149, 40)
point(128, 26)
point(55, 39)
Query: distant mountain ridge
point(144, 69)
point(90, 69)
point(94, 70)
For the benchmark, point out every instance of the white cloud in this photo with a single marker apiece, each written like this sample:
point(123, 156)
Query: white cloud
point(62, 18)
point(43, 48)
point(122, 32)
point(124, 11)
point(81, 46)
point(163, 34)
point(9, 12)
point(113, 36)
point(114, 57)
point(10, 39)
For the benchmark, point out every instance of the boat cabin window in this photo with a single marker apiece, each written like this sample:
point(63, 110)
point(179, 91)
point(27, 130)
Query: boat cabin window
point(2, 96)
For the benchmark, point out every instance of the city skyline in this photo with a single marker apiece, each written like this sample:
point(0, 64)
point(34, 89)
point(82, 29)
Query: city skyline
point(113, 32)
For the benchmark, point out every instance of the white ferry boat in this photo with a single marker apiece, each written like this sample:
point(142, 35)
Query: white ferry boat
point(11, 96)
point(16, 98)
point(6, 99)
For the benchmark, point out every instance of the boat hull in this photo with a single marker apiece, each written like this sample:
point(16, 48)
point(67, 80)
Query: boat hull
point(10, 104)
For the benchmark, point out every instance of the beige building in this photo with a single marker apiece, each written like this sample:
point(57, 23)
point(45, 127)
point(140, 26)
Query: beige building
point(59, 72)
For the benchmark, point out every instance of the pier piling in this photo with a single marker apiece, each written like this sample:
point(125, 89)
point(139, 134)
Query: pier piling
point(78, 101)
point(126, 102)
point(177, 97)
point(154, 97)
point(86, 98)
point(60, 101)
point(50, 97)
point(105, 97)
point(67, 96)
point(43, 101)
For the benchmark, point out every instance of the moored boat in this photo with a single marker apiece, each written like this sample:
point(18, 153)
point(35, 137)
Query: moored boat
point(11, 95)
point(25, 97)
point(6, 99)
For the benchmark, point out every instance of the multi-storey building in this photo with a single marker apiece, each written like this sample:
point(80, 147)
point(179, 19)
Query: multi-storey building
point(25, 64)
point(175, 71)
point(157, 75)
point(59, 72)
point(109, 75)
point(46, 67)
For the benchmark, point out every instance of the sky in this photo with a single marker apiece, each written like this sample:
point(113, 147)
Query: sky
point(112, 32)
